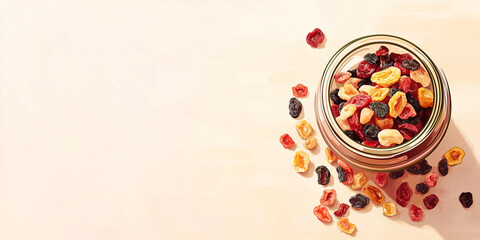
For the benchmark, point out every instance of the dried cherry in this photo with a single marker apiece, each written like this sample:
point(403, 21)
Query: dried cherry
point(342, 77)
point(404, 193)
point(381, 179)
point(399, 58)
point(328, 198)
point(360, 100)
point(404, 71)
point(342, 176)
point(315, 38)
point(342, 209)
point(348, 171)
point(431, 179)
point(335, 110)
point(287, 141)
point(382, 51)
point(370, 143)
point(431, 201)
point(365, 69)
point(323, 175)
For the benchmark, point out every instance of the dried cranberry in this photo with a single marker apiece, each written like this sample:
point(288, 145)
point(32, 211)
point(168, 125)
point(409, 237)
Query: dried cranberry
point(404, 84)
point(399, 58)
point(354, 122)
point(370, 143)
point(409, 127)
point(381, 179)
point(335, 111)
point(342, 77)
point(365, 69)
point(287, 141)
point(382, 51)
point(315, 38)
point(342, 209)
point(328, 197)
point(360, 100)
point(300, 90)
point(431, 201)
point(322, 213)
point(416, 213)
point(348, 171)
point(403, 70)
point(396, 174)
point(406, 134)
point(404, 193)
point(431, 179)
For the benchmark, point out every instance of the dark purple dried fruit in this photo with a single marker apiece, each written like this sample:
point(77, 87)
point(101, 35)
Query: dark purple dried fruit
point(466, 199)
point(411, 64)
point(387, 64)
point(380, 109)
point(443, 167)
point(396, 174)
point(295, 107)
point(393, 91)
point(371, 131)
point(431, 201)
point(340, 106)
point(413, 170)
point(365, 81)
point(354, 73)
point(422, 188)
point(372, 58)
point(414, 102)
point(359, 201)
point(351, 134)
point(410, 120)
point(323, 175)
point(342, 176)
point(335, 98)
point(424, 167)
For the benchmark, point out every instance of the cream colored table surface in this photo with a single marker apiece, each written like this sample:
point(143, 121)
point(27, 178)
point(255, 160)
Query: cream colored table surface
point(160, 119)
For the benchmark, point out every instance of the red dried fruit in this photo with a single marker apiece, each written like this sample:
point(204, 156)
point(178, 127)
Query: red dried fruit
point(328, 197)
point(431, 179)
point(404, 193)
point(342, 209)
point(431, 201)
point(287, 141)
point(409, 127)
point(381, 179)
point(370, 143)
point(348, 171)
point(360, 100)
point(404, 84)
point(365, 69)
point(342, 77)
point(416, 213)
point(300, 90)
point(322, 213)
point(355, 125)
point(315, 38)
point(382, 51)
point(406, 134)
point(408, 111)
point(335, 111)
point(399, 58)
point(403, 70)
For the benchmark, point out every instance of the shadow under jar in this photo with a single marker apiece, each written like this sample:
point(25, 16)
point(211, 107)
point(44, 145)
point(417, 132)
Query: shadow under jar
point(399, 156)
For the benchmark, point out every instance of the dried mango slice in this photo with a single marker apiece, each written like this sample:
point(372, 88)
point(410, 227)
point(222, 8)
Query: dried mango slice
point(397, 103)
point(454, 156)
point(301, 161)
point(425, 97)
point(387, 77)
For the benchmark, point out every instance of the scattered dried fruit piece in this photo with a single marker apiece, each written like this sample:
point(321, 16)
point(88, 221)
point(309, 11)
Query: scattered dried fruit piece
point(404, 193)
point(381, 179)
point(416, 213)
point(347, 91)
point(421, 76)
point(431, 201)
point(454, 156)
point(342, 209)
point(387, 77)
point(396, 174)
point(310, 143)
point(323, 175)
point(425, 97)
point(287, 141)
point(422, 188)
point(345, 226)
point(374, 193)
point(387, 137)
point(328, 198)
point(397, 103)
point(359, 179)
point(414, 170)
point(431, 179)
point(321, 212)
point(424, 167)
point(389, 209)
point(300, 90)
point(342, 77)
point(348, 171)
point(304, 129)
point(466, 199)
point(359, 201)
point(294, 107)
point(331, 157)
point(443, 167)
point(315, 37)
point(301, 161)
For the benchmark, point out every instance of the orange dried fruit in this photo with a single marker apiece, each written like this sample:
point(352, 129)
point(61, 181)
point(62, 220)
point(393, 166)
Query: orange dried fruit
point(454, 156)
point(310, 143)
point(345, 226)
point(304, 129)
point(421, 76)
point(347, 111)
point(389, 209)
point(388, 137)
point(359, 179)
point(365, 115)
point(331, 157)
point(387, 77)
point(347, 91)
point(384, 123)
point(374, 193)
point(425, 97)
point(378, 94)
point(301, 161)
point(343, 123)
point(397, 103)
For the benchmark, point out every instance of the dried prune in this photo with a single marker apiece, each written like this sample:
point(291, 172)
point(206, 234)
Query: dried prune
point(360, 100)
point(295, 107)
point(431, 201)
point(380, 109)
point(403, 70)
point(365, 69)
point(424, 167)
point(396, 174)
point(389, 209)
point(372, 58)
point(387, 63)
point(315, 37)
point(304, 129)
point(342, 176)
point(454, 156)
point(359, 179)
point(404, 193)
point(374, 193)
point(415, 170)
point(323, 175)
point(422, 188)
point(416, 213)
point(351, 134)
point(335, 98)
point(328, 197)
point(310, 143)
point(345, 226)
point(466, 199)
point(322, 213)
point(411, 64)
point(371, 131)
point(382, 51)
point(431, 179)
point(301, 161)
point(381, 179)
point(342, 77)
point(365, 81)
point(342, 209)
point(359, 201)
point(443, 167)
point(287, 141)
point(393, 91)
point(300, 90)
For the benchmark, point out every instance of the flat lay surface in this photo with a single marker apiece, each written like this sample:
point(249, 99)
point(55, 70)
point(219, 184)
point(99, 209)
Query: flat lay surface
point(161, 119)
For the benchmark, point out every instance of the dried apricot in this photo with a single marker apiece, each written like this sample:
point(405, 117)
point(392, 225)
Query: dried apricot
point(389, 209)
point(387, 77)
point(347, 91)
point(359, 179)
point(342, 77)
point(365, 115)
point(301, 161)
point(388, 137)
point(310, 143)
point(366, 89)
point(321, 212)
point(378, 94)
point(331, 157)
point(347, 111)
point(454, 156)
point(345, 226)
point(328, 198)
point(421, 76)
point(397, 103)
point(425, 97)
point(374, 193)
point(304, 129)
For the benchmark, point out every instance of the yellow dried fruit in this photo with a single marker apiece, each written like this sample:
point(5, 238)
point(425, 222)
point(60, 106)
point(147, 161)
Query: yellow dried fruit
point(366, 89)
point(353, 81)
point(347, 111)
point(389, 209)
point(378, 94)
point(365, 115)
point(345, 226)
point(387, 77)
point(387, 137)
point(310, 143)
point(304, 129)
point(454, 156)
point(343, 123)
point(359, 179)
point(301, 161)
point(425, 97)
point(397, 103)
point(331, 157)
point(421, 76)
point(347, 91)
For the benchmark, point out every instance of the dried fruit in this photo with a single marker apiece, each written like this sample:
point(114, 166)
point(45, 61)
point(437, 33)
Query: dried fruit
point(393, 91)
point(408, 112)
point(371, 131)
point(301, 161)
point(351, 134)
point(413, 170)
point(386, 63)
point(343, 123)
point(409, 127)
point(406, 134)
point(322, 213)
point(396, 174)
point(397, 103)
point(360, 100)
point(382, 51)
point(454, 156)
point(421, 76)
point(287, 141)
point(425, 97)
point(348, 171)
point(295, 107)
point(347, 111)
point(414, 102)
point(323, 175)
point(359, 201)
point(431, 179)
point(365, 81)
point(387, 77)
point(359, 179)
point(342, 176)
point(411, 64)
point(389, 209)
point(380, 109)
point(334, 96)
point(304, 129)
point(300, 90)
point(355, 124)
point(335, 111)
point(369, 143)
point(345, 226)
point(310, 143)
point(342, 77)
point(374, 193)
point(381, 179)
point(372, 58)
point(315, 38)
point(354, 82)
point(342, 209)
point(328, 198)
point(404, 85)
point(366, 89)
point(466, 199)
point(404, 193)
point(400, 57)
point(431, 201)
point(422, 188)
point(416, 213)
point(443, 167)
point(365, 69)
point(340, 106)
point(387, 137)
point(378, 94)
point(424, 167)
point(331, 157)
point(384, 123)
point(365, 115)
point(347, 91)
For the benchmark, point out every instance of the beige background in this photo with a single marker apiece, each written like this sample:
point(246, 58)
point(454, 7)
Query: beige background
point(160, 119)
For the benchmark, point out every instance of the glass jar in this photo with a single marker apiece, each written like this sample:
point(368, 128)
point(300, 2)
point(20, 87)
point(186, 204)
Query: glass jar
point(382, 159)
